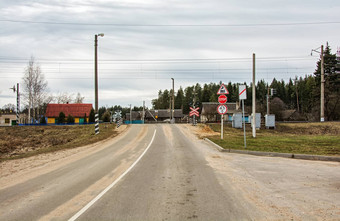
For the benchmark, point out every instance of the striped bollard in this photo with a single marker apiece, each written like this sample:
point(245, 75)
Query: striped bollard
point(96, 127)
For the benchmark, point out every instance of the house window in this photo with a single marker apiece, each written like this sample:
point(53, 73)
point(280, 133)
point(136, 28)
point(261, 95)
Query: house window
point(6, 120)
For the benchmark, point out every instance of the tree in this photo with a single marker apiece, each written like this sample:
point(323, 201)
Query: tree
point(61, 118)
point(92, 116)
point(63, 98)
point(8, 108)
point(106, 117)
point(35, 88)
point(179, 99)
point(332, 86)
point(79, 99)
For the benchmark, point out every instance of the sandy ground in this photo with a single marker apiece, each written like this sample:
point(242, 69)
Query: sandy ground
point(280, 188)
point(17, 171)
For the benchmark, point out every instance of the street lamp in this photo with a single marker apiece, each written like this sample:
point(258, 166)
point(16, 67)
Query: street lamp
point(96, 128)
point(322, 89)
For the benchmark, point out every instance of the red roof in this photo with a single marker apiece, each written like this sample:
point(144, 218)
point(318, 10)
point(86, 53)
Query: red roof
point(75, 110)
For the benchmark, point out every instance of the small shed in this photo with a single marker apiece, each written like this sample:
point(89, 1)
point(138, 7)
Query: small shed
point(80, 112)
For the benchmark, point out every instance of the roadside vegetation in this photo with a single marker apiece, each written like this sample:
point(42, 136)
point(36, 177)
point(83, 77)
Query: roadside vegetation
point(25, 141)
point(298, 138)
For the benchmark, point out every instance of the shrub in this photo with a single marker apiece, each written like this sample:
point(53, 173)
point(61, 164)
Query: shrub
point(106, 117)
point(92, 117)
point(61, 118)
point(70, 119)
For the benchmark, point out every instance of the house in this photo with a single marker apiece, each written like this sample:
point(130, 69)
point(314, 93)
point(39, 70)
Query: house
point(209, 111)
point(8, 119)
point(152, 116)
point(78, 111)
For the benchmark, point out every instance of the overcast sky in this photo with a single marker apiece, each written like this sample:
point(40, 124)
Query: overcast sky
point(148, 42)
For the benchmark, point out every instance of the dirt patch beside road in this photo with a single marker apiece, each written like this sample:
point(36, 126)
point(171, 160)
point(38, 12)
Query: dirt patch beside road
point(18, 170)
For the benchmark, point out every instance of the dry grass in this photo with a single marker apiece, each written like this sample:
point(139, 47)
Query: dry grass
point(23, 141)
point(304, 138)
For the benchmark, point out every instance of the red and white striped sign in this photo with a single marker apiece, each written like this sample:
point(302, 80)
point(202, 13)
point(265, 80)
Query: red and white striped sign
point(194, 112)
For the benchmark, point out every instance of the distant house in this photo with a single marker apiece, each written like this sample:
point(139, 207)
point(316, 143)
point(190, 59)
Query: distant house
point(8, 119)
point(78, 111)
point(152, 116)
point(209, 111)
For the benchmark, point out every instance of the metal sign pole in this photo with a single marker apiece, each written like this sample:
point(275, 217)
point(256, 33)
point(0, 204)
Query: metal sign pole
point(244, 126)
point(221, 126)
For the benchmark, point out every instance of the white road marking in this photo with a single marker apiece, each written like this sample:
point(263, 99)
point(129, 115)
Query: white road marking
point(83, 210)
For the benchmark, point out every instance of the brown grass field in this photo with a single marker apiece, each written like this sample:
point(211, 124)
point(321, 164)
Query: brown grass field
point(24, 141)
point(298, 138)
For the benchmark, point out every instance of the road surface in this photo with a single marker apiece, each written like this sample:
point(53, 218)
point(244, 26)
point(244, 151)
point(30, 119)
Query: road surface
point(163, 172)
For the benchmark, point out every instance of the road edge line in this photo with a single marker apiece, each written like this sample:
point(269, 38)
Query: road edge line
point(93, 201)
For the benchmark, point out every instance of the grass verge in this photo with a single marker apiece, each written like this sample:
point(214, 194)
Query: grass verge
point(301, 138)
point(26, 141)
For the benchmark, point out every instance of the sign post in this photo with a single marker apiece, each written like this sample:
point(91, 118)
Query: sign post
point(242, 90)
point(222, 108)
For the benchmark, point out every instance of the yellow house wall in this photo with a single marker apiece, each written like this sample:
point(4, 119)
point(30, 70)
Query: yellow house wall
point(76, 120)
point(51, 120)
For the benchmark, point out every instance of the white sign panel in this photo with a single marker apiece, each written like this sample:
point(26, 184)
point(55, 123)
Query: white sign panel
point(242, 92)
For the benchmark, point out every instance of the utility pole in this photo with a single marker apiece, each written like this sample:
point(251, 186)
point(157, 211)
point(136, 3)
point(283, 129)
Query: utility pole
point(322, 99)
point(18, 104)
point(143, 116)
point(268, 111)
point(254, 99)
point(322, 90)
point(130, 113)
point(297, 97)
point(96, 80)
point(173, 101)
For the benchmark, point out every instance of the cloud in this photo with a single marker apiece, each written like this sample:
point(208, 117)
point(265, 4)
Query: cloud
point(66, 51)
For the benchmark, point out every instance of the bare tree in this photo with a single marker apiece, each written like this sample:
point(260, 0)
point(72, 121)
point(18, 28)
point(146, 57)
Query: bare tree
point(63, 98)
point(35, 87)
point(79, 99)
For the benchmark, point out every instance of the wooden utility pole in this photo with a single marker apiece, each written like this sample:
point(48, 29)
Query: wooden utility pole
point(254, 99)
point(322, 99)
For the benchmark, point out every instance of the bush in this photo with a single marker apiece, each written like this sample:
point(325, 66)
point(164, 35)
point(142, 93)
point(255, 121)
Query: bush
point(70, 119)
point(106, 117)
point(61, 118)
point(43, 120)
point(92, 117)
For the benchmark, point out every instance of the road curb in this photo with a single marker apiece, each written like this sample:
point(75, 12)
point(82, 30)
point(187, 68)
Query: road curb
point(274, 154)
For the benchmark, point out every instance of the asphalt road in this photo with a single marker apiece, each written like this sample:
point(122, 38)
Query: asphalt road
point(162, 172)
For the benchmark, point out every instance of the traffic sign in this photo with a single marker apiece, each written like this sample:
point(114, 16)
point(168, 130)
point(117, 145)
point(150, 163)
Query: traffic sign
point(194, 111)
point(222, 90)
point(242, 92)
point(222, 109)
point(222, 99)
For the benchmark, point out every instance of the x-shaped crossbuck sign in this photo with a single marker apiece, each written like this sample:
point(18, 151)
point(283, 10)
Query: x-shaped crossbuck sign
point(194, 111)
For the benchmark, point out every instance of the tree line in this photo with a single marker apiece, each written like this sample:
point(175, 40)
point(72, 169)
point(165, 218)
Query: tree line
point(300, 94)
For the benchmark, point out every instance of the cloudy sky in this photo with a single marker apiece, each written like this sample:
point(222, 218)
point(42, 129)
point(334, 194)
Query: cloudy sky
point(148, 42)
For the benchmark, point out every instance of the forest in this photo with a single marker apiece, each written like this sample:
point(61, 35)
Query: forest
point(300, 95)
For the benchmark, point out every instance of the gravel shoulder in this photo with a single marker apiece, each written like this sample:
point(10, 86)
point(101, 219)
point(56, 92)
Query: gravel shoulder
point(279, 188)
point(17, 171)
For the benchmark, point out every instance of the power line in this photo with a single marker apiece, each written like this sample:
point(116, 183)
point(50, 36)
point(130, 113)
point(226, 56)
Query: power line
point(171, 25)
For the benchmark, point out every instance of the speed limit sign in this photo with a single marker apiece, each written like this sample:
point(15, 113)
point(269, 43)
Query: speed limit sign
point(222, 109)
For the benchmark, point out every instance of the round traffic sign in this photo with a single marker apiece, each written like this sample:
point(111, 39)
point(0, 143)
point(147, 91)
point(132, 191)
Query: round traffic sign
point(222, 99)
point(222, 109)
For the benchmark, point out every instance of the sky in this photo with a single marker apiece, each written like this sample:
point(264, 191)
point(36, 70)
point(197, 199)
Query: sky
point(146, 43)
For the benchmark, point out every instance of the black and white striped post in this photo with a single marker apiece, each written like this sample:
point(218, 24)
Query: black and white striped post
point(96, 126)
point(18, 104)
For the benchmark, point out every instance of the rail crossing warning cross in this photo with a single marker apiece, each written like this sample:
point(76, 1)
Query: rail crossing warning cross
point(194, 111)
